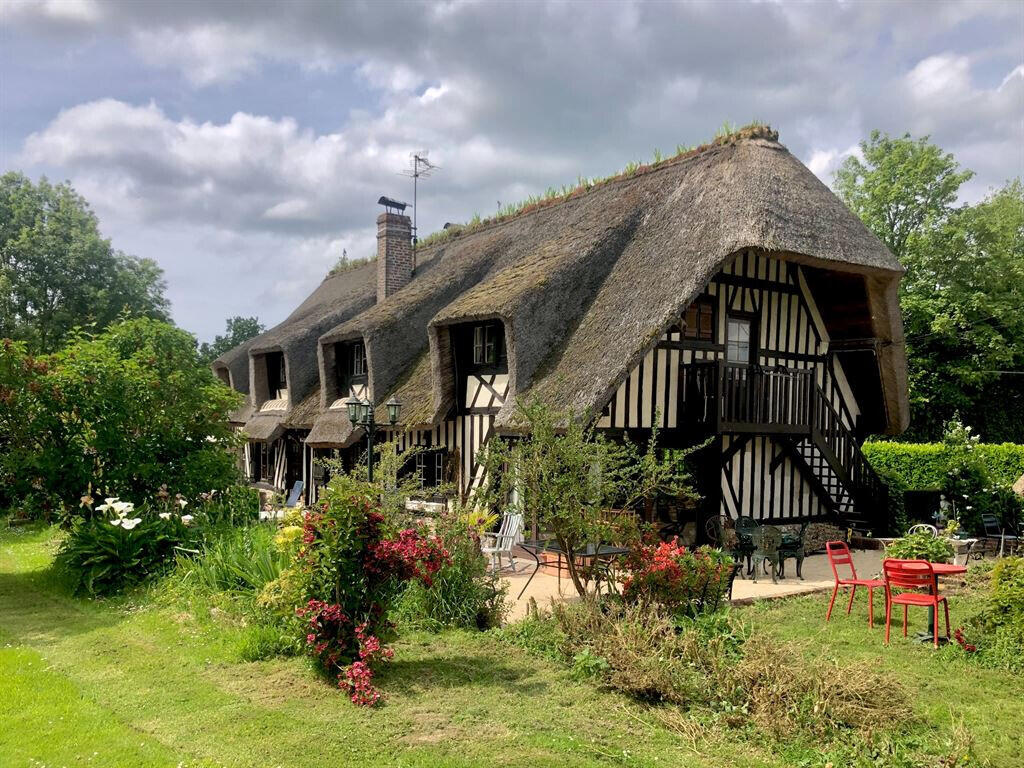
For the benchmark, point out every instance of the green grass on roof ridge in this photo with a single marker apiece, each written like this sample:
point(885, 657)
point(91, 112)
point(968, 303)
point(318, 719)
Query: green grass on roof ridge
point(727, 134)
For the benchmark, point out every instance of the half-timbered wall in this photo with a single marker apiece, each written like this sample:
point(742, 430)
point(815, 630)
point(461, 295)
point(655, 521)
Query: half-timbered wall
point(465, 434)
point(758, 479)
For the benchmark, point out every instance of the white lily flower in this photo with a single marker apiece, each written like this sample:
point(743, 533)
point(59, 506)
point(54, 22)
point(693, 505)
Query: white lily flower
point(129, 524)
point(183, 503)
point(110, 499)
point(118, 521)
point(123, 508)
point(104, 507)
point(165, 515)
point(186, 519)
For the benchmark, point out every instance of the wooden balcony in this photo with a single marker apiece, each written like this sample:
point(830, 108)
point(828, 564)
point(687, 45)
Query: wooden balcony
point(721, 397)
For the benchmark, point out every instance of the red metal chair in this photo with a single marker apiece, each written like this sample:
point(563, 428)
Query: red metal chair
point(913, 575)
point(839, 554)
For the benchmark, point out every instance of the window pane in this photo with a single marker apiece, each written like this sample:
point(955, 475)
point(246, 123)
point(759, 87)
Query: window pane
point(737, 341)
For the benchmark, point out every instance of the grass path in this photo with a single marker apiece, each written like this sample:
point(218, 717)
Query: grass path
point(111, 684)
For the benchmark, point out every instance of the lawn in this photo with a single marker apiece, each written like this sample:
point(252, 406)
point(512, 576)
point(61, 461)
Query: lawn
point(138, 682)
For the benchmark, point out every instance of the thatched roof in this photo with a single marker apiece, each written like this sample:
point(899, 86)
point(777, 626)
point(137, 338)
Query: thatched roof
point(338, 297)
point(586, 285)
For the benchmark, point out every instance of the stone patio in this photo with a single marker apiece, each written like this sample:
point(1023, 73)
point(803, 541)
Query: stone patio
point(817, 577)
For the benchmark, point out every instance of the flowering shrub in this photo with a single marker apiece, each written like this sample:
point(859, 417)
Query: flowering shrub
point(920, 546)
point(118, 545)
point(683, 581)
point(354, 564)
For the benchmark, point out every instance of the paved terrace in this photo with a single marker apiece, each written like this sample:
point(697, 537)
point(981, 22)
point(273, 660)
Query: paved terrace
point(817, 578)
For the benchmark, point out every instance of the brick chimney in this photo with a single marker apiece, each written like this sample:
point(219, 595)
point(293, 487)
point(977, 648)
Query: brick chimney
point(394, 253)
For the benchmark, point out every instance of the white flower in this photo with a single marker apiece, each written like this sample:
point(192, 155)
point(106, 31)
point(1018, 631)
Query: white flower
point(110, 499)
point(182, 503)
point(116, 522)
point(211, 439)
point(186, 519)
point(165, 515)
point(129, 524)
point(123, 508)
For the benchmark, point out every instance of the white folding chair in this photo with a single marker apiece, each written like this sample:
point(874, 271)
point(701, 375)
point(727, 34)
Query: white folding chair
point(497, 545)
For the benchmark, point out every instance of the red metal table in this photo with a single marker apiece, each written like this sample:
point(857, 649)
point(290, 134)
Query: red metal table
point(941, 569)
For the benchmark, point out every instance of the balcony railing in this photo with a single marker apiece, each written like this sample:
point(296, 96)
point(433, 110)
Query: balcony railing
point(737, 398)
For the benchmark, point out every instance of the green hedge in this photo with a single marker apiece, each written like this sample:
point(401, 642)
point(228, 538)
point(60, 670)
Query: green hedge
point(923, 466)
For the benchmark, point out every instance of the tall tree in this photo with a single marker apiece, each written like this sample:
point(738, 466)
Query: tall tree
point(964, 287)
point(237, 330)
point(901, 186)
point(56, 270)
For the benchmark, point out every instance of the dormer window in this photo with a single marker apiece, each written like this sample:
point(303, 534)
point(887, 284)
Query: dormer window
point(277, 381)
point(356, 359)
point(699, 322)
point(487, 343)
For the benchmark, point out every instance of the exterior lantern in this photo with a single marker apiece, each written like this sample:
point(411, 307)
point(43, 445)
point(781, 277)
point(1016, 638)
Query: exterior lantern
point(352, 404)
point(394, 409)
point(365, 411)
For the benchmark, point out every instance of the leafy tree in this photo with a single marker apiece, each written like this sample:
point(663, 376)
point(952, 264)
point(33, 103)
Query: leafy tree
point(901, 186)
point(238, 330)
point(963, 290)
point(116, 414)
point(566, 477)
point(58, 273)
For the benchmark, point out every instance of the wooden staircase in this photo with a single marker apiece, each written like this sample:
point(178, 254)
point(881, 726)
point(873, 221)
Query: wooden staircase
point(789, 405)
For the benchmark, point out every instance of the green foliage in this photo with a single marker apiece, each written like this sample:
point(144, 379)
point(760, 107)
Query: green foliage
point(924, 466)
point(921, 546)
point(237, 330)
point(242, 560)
point(900, 186)
point(566, 476)
point(998, 628)
point(345, 264)
point(58, 273)
point(718, 667)
point(964, 286)
point(462, 593)
point(105, 554)
point(120, 413)
point(682, 582)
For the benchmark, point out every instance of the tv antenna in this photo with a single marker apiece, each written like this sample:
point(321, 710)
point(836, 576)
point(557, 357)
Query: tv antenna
point(419, 167)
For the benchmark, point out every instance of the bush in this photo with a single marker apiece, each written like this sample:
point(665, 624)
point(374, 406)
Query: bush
point(924, 466)
point(715, 664)
point(921, 546)
point(122, 413)
point(105, 554)
point(999, 629)
point(462, 593)
point(685, 583)
point(352, 565)
point(240, 560)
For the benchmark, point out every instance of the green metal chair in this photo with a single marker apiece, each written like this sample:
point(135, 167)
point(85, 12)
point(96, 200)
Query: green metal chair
point(746, 527)
point(792, 547)
point(767, 540)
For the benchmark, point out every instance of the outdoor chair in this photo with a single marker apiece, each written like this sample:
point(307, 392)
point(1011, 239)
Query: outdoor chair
point(912, 576)
point(744, 549)
point(767, 540)
point(997, 534)
point(290, 503)
point(792, 547)
point(923, 528)
point(500, 544)
point(839, 555)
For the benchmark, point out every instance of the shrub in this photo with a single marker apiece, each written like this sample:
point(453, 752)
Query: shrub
point(998, 630)
point(110, 552)
point(241, 560)
point(921, 546)
point(923, 466)
point(715, 663)
point(684, 582)
point(124, 411)
point(352, 565)
point(463, 593)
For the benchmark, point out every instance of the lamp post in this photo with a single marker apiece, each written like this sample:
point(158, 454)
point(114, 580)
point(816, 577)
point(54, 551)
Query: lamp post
point(360, 413)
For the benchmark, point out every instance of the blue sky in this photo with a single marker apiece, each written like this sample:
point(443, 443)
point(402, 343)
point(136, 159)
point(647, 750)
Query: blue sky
point(244, 146)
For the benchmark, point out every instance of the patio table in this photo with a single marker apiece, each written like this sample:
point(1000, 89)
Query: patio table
point(537, 546)
point(941, 569)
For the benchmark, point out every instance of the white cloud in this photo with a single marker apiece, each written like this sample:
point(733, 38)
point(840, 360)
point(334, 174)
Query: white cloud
point(509, 99)
point(940, 77)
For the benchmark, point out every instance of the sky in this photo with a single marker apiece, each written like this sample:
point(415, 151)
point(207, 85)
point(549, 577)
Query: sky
point(244, 147)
